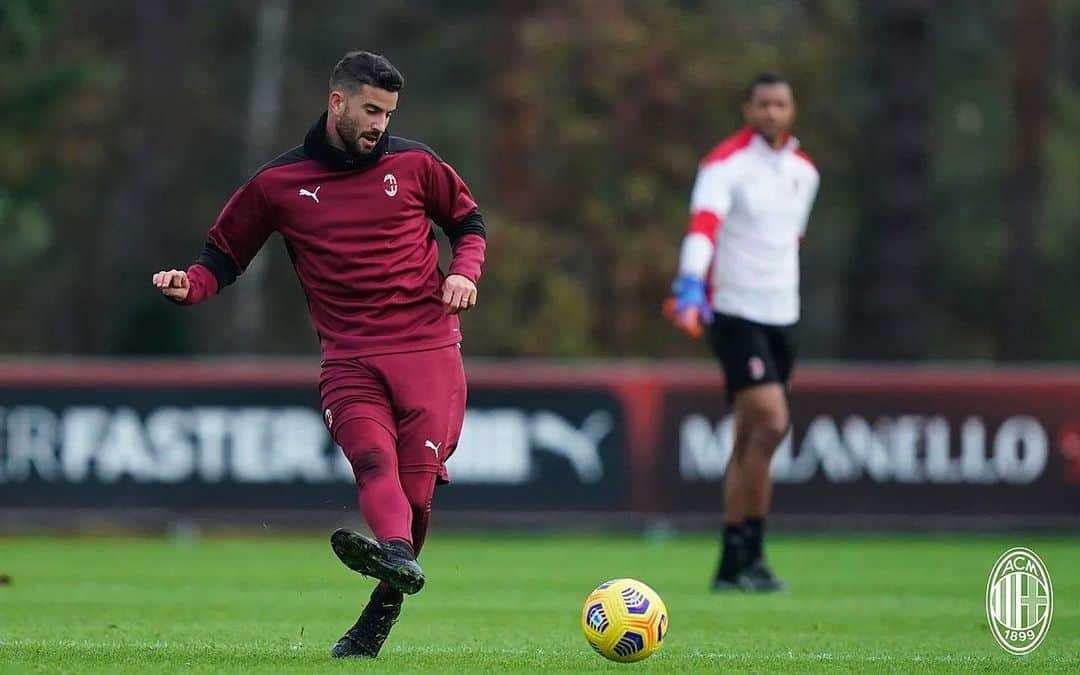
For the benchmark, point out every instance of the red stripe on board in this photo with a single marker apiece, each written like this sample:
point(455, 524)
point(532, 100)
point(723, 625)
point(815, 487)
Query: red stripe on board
point(673, 374)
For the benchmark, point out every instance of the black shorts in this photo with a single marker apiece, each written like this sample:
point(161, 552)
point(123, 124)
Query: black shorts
point(752, 353)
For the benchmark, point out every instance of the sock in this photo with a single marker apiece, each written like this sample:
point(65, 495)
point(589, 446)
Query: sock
point(754, 533)
point(384, 593)
point(419, 528)
point(373, 454)
point(731, 556)
point(419, 488)
point(402, 547)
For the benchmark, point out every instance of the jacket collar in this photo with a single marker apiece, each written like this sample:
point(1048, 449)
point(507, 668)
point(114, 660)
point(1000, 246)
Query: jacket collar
point(318, 148)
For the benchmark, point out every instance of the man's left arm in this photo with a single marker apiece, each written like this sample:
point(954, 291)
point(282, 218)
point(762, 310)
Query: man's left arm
point(451, 205)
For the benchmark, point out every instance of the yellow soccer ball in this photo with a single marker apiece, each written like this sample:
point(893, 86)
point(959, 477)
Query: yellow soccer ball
point(624, 620)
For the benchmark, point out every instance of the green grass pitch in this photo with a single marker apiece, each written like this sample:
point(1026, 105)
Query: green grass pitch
point(512, 603)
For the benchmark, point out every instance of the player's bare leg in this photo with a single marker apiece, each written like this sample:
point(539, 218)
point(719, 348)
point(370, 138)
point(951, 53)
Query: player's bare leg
point(762, 411)
point(736, 504)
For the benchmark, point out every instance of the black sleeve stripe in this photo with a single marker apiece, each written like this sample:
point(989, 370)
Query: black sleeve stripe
point(219, 264)
point(470, 224)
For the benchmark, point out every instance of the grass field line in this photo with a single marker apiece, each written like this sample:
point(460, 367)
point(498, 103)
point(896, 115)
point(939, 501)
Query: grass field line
point(497, 651)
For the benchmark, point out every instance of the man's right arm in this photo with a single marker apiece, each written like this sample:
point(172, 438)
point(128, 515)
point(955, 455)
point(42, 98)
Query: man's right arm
point(710, 203)
point(240, 231)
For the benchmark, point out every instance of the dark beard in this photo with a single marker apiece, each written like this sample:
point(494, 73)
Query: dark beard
point(349, 131)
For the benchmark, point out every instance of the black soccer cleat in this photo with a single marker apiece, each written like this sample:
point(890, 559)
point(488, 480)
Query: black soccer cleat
point(726, 586)
point(758, 578)
point(392, 561)
point(366, 637)
point(732, 561)
point(722, 584)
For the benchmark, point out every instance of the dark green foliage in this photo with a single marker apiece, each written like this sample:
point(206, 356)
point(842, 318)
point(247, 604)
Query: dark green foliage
point(579, 124)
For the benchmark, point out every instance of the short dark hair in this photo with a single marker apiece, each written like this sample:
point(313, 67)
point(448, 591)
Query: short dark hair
point(358, 68)
point(760, 79)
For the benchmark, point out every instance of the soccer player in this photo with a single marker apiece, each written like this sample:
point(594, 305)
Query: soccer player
point(739, 275)
point(354, 206)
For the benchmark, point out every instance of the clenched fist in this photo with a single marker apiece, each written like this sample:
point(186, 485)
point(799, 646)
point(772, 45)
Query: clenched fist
point(174, 284)
point(459, 294)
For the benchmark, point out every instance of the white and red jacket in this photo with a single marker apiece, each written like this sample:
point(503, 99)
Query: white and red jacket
point(748, 212)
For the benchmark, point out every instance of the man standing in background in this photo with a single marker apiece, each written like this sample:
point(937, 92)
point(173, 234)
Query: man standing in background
point(739, 276)
point(354, 206)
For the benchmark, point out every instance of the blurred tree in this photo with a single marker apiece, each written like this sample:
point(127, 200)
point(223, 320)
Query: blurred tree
point(264, 114)
point(890, 311)
point(1019, 322)
point(1059, 240)
point(970, 123)
point(618, 103)
point(579, 125)
point(44, 101)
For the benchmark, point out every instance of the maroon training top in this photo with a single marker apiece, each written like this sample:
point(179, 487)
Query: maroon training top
point(358, 232)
